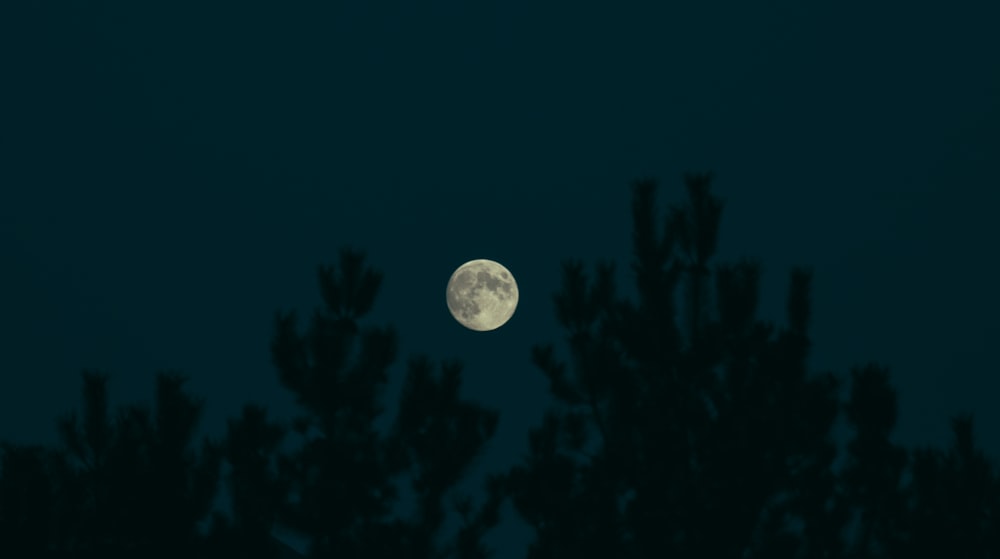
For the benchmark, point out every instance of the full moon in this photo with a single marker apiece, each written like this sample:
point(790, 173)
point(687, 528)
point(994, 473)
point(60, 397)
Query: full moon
point(482, 295)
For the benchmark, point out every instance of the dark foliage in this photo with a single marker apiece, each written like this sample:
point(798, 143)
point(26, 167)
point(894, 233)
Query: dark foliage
point(257, 491)
point(347, 479)
point(684, 426)
point(129, 485)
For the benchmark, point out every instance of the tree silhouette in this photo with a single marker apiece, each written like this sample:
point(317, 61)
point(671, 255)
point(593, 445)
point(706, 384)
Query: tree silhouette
point(683, 426)
point(954, 500)
point(874, 474)
point(257, 489)
point(346, 478)
point(686, 426)
point(137, 486)
point(27, 500)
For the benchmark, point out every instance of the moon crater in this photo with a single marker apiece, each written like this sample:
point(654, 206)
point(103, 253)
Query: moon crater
point(482, 295)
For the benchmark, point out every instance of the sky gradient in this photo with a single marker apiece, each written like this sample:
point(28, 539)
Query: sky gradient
point(172, 175)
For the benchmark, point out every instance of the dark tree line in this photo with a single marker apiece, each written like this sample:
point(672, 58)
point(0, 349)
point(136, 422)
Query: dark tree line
point(139, 484)
point(684, 426)
point(687, 427)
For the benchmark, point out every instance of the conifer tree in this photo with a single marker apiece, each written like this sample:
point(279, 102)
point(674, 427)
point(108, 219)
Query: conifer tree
point(137, 484)
point(685, 425)
point(347, 477)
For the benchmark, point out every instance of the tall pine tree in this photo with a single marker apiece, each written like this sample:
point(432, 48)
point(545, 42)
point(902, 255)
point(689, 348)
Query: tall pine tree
point(684, 425)
point(347, 477)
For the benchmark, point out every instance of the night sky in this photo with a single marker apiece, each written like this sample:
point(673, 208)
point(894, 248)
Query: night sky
point(171, 176)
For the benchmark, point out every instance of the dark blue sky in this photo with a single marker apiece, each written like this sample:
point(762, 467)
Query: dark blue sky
point(173, 175)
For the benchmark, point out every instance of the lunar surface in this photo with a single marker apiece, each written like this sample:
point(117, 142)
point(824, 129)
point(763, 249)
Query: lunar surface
point(482, 295)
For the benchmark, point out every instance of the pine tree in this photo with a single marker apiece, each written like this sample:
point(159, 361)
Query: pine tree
point(137, 485)
point(873, 477)
point(346, 478)
point(685, 426)
point(27, 501)
point(257, 489)
point(954, 500)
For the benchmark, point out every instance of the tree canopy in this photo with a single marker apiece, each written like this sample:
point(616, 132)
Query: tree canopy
point(683, 425)
point(686, 426)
